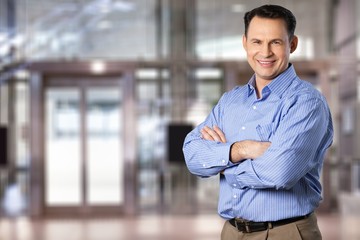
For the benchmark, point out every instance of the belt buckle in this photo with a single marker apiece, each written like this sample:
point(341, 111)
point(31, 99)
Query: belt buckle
point(247, 227)
point(246, 223)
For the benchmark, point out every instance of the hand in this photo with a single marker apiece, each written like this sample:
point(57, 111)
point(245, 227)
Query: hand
point(213, 134)
point(248, 149)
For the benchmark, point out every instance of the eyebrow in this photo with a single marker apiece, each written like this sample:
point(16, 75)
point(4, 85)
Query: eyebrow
point(272, 40)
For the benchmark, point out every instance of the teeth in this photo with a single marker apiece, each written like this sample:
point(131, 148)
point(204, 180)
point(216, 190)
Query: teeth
point(265, 62)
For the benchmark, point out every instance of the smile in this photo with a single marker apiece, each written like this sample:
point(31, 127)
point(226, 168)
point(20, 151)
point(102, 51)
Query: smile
point(266, 63)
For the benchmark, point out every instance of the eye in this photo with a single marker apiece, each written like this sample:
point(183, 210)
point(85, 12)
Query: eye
point(257, 42)
point(276, 42)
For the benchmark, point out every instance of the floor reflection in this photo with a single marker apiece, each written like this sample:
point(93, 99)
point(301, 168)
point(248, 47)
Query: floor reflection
point(150, 227)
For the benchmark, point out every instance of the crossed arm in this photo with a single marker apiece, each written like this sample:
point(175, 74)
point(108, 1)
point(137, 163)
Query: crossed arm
point(297, 147)
point(246, 149)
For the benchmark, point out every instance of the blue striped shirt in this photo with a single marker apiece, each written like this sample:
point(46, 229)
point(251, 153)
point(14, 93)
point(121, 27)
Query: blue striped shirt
point(285, 181)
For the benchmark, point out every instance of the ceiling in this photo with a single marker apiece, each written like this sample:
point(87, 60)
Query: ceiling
point(127, 29)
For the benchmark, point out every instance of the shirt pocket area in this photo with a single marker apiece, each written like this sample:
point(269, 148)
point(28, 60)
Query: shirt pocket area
point(264, 131)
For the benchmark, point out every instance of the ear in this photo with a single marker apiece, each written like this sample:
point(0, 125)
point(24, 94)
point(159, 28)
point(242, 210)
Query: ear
point(244, 42)
point(293, 44)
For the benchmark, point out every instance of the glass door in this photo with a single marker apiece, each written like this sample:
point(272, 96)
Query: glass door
point(63, 148)
point(103, 147)
point(83, 147)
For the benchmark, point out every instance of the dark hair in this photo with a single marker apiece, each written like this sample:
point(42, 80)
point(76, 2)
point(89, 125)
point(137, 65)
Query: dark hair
point(272, 11)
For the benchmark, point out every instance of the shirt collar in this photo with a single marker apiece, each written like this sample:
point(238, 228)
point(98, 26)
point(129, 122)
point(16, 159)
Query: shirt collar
point(279, 84)
point(251, 85)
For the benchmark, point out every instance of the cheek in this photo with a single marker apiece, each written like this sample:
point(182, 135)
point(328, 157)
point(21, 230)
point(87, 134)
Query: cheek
point(251, 52)
point(282, 53)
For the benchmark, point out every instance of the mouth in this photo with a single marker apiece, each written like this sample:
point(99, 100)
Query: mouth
point(266, 63)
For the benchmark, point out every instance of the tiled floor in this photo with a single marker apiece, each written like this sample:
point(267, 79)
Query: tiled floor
point(151, 227)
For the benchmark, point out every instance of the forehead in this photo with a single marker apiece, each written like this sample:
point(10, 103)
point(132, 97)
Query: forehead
point(267, 26)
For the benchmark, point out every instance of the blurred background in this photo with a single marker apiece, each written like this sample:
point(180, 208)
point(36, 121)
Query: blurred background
point(96, 97)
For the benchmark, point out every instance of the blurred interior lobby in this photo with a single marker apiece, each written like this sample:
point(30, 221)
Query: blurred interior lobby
point(96, 97)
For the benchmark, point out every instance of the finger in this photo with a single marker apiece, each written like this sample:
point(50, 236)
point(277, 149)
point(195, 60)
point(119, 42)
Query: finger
point(205, 135)
point(265, 145)
point(212, 133)
point(220, 133)
point(208, 133)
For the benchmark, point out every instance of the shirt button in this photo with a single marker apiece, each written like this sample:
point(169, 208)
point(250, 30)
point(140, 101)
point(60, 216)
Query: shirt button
point(234, 196)
point(204, 165)
point(234, 184)
point(243, 127)
point(223, 161)
point(254, 107)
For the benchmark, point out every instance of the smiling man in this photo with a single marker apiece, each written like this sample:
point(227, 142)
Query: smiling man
point(268, 46)
point(266, 140)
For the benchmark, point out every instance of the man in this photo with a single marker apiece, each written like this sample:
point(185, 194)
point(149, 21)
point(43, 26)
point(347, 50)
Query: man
point(266, 140)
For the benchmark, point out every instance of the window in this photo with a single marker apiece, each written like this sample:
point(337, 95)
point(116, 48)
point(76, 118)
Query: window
point(356, 177)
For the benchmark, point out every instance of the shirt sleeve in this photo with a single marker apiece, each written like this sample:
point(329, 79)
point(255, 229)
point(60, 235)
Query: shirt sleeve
point(207, 158)
point(298, 144)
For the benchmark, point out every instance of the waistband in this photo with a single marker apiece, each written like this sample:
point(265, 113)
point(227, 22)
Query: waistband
point(246, 226)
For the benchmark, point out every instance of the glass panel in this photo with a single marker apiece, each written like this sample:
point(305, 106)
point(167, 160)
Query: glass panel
point(4, 104)
point(21, 138)
point(88, 29)
point(220, 36)
point(149, 188)
point(147, 91)
point(208, 85)
point(63, 156)
point(104, 147)
point(356, 177)
point(358, 89)
point(209, 91)
point(153, 96)
point(22, 119)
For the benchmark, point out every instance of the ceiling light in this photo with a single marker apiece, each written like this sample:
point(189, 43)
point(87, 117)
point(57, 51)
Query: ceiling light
point(97, 67)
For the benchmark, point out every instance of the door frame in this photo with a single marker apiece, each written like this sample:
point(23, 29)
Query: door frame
point(82, 85)
point(41, 77)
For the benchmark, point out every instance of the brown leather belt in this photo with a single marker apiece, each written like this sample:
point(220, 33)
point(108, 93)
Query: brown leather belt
point(249, 226)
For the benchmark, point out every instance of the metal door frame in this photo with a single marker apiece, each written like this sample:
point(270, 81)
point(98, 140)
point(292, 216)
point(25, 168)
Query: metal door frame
point(42, 76)
point(83, 84)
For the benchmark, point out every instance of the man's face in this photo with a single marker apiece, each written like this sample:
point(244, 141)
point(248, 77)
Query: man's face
point(268, 47)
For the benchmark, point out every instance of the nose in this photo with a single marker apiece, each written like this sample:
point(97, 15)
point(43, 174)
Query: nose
point(266, 50)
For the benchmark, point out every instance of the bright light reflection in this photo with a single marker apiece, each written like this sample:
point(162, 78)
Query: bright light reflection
point(98, 67)
point(208, 73)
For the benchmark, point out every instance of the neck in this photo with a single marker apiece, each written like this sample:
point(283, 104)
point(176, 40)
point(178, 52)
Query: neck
point(259, 86)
